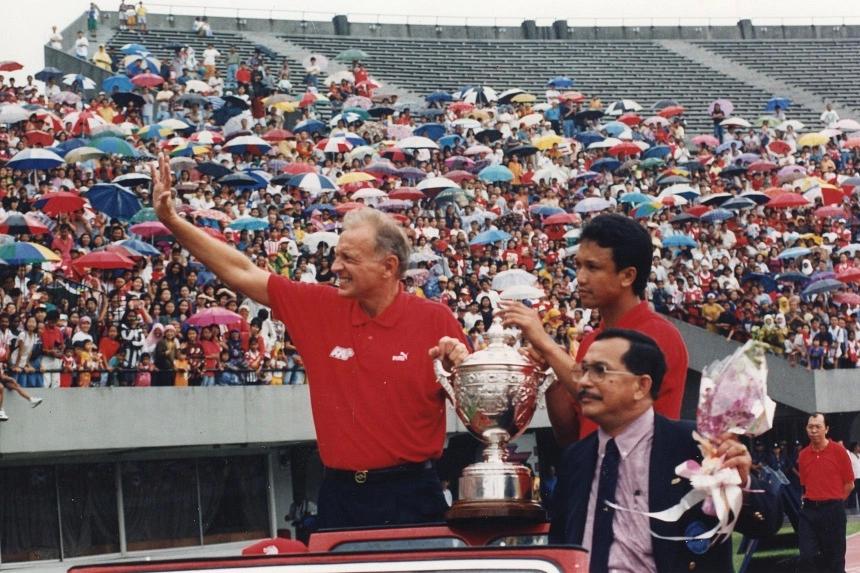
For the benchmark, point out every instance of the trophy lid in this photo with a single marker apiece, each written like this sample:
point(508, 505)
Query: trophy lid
point(497, 353)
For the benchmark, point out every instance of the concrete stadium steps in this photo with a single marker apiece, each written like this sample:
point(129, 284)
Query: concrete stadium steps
point(639, 70)
point(825, 67)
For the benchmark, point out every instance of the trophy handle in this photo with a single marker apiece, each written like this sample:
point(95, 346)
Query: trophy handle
point(548, 378)
point(443, 377)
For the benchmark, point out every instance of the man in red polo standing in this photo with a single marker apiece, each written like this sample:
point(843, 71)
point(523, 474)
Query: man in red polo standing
point(827, 480)
point(378, 410)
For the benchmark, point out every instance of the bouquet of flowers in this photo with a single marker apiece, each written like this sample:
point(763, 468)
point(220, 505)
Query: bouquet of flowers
point(732, 398)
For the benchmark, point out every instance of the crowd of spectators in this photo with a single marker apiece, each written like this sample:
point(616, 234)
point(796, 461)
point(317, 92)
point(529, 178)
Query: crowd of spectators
point(65, 325)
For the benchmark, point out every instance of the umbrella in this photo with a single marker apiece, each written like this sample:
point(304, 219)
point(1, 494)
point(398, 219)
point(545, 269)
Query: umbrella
point(132, 180)
point(735, 122)
point(145, 214)
point(764, 280)
point(755, 196)
point(249, 224)
point(103, 260)
point(512, 278)
point(114, 146)
point(773, 103)
point(313, 183)
point(129, 49)
point(849, 276)
point(215, 315)
point(59, 202)
point(560, 82)
point(522, 292)
point(83, 154)
point(679, 240)
point(495, 174)
point(561, 219)
point(18, 224)
point(788, 200)
point(139, 246)
point(794, 277)
point(412, 174)
point(150, 229)
point(726, 106)
point(794, 252)
point(49, 73)
point(592, 204)
point(124, 99)
point(851, 249)
point(438, 97)
point(816, 287)
point(13, 113)
point(368, 193)
point(437, 183)
point(113, 200)
point(622, 106)
point(80, 81)
point(683, 218)
point(212, 169)
point(433, 131)
point(119, 83)
point(738, 203)
point(247, 144)
point(313, 240)
point(547, 174)
point(407, 193)
point(716, 215)
point(706, 140)
point(147, 80)
point(831, 211)
point(635, 198)
point(23, 253)
point(351, 55)
point(140, 63)
point(480, 94)
point(848, 298)
point(487, 237)
point(605, 164)
point(309, 125)
point(812, 139)
point(417, 142)
point(36, 159)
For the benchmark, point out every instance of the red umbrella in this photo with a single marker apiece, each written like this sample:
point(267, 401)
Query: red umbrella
point(461, 106)
point(10, 66)
point(103, 260)
point(350, 206)
point(831, 211)
point(42, 138)
point(213, 214)
point(275, 135)
point(671, 111)
point(630, 119)
point(779, 147)
point(150, 229)
point(299, 168)
point(787, 200)
point(459, 175)
point(851, 143)
point(60, 202)
point(18, 224)
point(408, 193)
point(561, 219)
point(831, 195)
point(214, 315)
point(849, 298)
point(849, 276)
point(697, 210)
point(574, 97)
point(625, 148)
point(394, 154)
point(147, 80)
point(761, 166)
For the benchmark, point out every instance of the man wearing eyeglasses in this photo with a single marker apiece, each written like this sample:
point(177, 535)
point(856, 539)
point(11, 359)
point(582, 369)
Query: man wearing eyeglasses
point(631, 461)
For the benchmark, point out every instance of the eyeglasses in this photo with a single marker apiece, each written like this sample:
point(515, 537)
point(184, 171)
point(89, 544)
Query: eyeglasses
point(596, 372)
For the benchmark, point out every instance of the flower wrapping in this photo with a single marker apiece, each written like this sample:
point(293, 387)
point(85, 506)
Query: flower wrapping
point(732, 398)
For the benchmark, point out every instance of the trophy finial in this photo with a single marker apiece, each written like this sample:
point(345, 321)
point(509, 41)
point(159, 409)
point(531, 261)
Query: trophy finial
point(496, 332)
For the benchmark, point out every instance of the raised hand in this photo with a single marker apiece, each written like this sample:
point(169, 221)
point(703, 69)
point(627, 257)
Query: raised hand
point(162, 199)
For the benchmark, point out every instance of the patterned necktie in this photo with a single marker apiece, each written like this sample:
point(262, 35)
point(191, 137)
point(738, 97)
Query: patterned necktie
point(602, 535)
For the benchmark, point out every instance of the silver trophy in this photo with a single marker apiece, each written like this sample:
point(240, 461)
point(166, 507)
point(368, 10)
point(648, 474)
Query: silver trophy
point(495, 392)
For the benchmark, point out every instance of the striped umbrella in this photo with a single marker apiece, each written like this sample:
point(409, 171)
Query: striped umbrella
point(23, 253)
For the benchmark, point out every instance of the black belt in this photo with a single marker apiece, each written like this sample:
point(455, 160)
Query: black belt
point(379, 475)
point(821, 502)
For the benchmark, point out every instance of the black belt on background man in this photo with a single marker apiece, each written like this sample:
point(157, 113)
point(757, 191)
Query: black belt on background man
point(381, 474)
point(820, 502)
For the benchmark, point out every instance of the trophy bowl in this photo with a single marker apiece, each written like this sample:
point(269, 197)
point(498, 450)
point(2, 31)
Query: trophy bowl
point(495, 392)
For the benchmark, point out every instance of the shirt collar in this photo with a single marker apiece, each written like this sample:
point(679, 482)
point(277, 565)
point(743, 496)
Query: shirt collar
point(630, 438)
point(387, 318)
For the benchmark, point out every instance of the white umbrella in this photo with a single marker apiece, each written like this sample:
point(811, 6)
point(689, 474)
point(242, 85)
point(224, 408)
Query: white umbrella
point(607, 143)
point(467, 123)
point(477, 150)
point(592, 204)
point(368, 193)
point(513, 277)
point(622, 106)
point(242, 122)
point(417, 142)
point(547, 174)
point(437, 183)
point(848, 125)
point(13, 113)
point(312, 240)
point(735, 122)
point(793, 123)
point(521, 292)
point(530, 120)
point(198, 86)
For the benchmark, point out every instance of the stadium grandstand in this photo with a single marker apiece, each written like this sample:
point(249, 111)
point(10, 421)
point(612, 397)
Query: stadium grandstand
point(144, 442)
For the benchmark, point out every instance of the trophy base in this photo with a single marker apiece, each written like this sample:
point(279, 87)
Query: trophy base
point(493, 489)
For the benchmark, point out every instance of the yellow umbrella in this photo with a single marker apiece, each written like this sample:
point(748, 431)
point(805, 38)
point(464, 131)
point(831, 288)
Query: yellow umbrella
point(479, 114)
point(524, 98)
point(812, 139)
point(287, 106)
point(83, 154)
point(547, 141)
point(354, 177)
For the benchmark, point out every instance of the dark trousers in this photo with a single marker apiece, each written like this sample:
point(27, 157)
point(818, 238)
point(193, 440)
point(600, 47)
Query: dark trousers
point(408, 498)
point(822, 538)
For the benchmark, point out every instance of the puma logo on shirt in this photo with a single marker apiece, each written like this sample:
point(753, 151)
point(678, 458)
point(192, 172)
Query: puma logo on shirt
point(402, 357)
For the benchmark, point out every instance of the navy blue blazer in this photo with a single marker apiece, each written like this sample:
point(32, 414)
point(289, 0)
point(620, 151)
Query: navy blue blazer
point(673, 443)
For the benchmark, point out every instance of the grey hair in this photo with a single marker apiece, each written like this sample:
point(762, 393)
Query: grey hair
point(390, 239)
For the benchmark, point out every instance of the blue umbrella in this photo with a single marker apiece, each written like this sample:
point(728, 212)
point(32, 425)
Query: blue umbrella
point(635, 198)
point(432, 131)
point(34, 158)
point(794, 252)
point(738, 203)
point(130, 49)
point(120, 83)
point(588, 137)
point(49, 73)
point(491, 236)
point(319, 207)
point(495, 174)
point(438, 96)
point(68, 145)
point(793, 277)
point(716, 215)
point(615, 128)
point(605, 164)
point(765, 280)
point(411, 174)
point(545, 210)
point(213, 169)
point(658, 151)
point(309, 125)
point(113, 200)
point(114, 146)
point(142, 62)
point(679, 241)
point(451, 141)
point(238, 180)
point(140, 247)
point(726, 146)
point(822, 286)
point(777, 102)
point(560, 82)
point(249, 224)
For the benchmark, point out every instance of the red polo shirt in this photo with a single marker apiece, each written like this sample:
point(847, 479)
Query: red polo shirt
point(644, 320)
point(824, 474)
point(375, 399)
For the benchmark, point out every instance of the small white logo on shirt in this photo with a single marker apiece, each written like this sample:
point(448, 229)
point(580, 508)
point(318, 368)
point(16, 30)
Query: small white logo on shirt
point(402, 357)
point(341, 353)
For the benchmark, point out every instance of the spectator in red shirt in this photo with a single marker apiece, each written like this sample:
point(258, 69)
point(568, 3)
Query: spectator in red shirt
point(827, 479)
point(52, 350)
